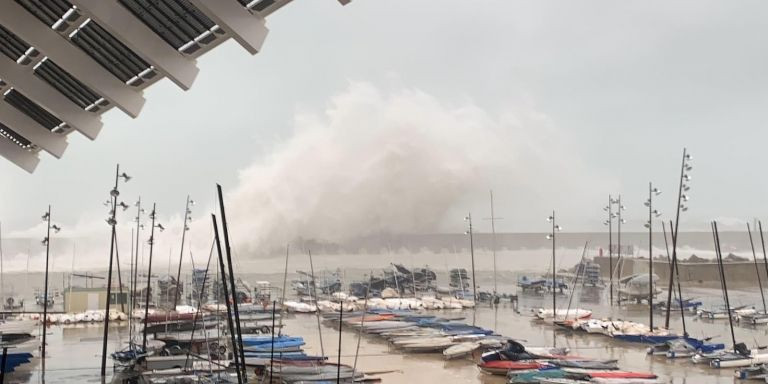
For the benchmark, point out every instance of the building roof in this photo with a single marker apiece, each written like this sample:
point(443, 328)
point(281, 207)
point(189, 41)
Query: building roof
point(63, 63)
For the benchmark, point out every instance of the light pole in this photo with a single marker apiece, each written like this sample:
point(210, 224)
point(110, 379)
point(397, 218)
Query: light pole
point(112, 221)
point(469, 232)
point(552, 236)
point(47, 243)
point(682, 198)
point(619, 222)
point(609, 222)
point(651, 213)
point(613, 215)
point(151, 241)
point(187, 219)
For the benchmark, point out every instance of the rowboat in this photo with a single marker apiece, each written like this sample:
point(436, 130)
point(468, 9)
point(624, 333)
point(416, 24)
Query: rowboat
point(461, 349)
point(501, 367)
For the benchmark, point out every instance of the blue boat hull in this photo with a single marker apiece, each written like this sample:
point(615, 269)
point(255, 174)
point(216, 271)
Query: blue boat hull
point(13, 360)
point(646, 339)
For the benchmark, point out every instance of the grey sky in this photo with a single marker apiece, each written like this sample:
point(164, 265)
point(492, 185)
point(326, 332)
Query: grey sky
point(625, 85)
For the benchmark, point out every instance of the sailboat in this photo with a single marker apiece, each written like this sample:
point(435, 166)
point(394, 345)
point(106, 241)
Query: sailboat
point(740, 355)
point(684, 346)
point(757, 317)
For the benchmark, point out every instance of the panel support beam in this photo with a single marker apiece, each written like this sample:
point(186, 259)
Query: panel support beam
point(138, 37)
point(248, 29)
point(26, 160)
point(53, 143)
point(69, 57)
point(21, 78)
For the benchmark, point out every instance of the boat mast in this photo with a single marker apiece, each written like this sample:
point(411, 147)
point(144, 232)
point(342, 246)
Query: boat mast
point(230, 325)
point(722, 281)
point(762, 240)
point(232, 280)
point(282, 299)
point(680, 198)
point(493, 219)
point(757, 270)
point(472, 255)
point(313, 288)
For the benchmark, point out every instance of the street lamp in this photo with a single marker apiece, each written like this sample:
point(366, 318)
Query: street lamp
point(682, 206)
point(47, 242)
point(552, 236)
point(609, 222)
point(652, 191)
point(185, 228)
point(151, 241)
point(112, 221)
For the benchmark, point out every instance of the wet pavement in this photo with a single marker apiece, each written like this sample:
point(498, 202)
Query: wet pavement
point(74, 350)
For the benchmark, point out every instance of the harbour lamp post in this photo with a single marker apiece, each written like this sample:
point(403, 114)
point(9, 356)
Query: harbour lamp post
point(47, 242)
point(112, 221)
point(609, 222)
point(649, 224)
point(613, 215)
point(619, 209)
point(551, 236)
point(187, 219)
point(469, 232)
point(151, 242)
point(682, 206)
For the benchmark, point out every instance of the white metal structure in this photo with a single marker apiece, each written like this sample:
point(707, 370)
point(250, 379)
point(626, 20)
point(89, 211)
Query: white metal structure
point(63, 63)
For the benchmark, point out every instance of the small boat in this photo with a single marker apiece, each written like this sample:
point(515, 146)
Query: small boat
point(586, 364)
point(461, 349)
point(501, 367)
point(684, 347)
point(755, 372)
point(754, 318)
point(737, 360)
point(619, 375)
point(535, 376)
point(562, 314)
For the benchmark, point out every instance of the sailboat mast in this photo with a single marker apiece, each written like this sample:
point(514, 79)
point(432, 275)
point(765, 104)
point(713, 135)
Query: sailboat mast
point(313, 288)
point(231, 326)
point(184, 229)
point(757, 270)
point(493, 246)
point(762, 240)
point(722, 281)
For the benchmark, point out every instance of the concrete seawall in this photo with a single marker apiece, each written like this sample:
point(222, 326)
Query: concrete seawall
point(738, 274)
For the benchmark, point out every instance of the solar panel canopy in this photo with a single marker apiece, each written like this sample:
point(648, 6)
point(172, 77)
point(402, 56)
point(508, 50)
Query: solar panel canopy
point(63, 63)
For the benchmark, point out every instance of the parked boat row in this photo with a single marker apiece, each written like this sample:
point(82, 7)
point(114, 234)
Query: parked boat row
point(352, 304)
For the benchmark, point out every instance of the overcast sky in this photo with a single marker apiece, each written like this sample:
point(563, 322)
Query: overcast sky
point(571, 101)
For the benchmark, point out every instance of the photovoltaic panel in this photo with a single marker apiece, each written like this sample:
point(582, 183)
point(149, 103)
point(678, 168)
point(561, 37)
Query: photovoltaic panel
point(31, 109)
point(67, 84)
point(113, 55)
point(11, 45)
point(48, 11)
point(177, 22)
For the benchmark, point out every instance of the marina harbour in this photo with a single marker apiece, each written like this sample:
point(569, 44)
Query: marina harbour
point(391, 191)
